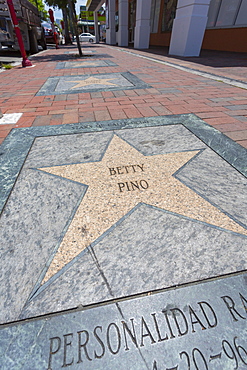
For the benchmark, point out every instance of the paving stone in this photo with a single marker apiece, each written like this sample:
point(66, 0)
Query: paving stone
point(236, 107)
point(241, 118)
point(231, 126)
point(170, 91)
point(9, 119)
point(238, 135)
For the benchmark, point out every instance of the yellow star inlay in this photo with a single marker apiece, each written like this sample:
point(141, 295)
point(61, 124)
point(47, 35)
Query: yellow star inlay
point(122, 179)
point(85, 62)
point(92, 81)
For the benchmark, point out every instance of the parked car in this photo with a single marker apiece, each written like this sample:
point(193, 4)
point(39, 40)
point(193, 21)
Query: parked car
point(49, 34)
point(29, 24)
point(87, 37)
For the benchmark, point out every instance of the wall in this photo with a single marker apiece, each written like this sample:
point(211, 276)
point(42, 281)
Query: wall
point(160, 39)
point(221, 14)
point(226, 39)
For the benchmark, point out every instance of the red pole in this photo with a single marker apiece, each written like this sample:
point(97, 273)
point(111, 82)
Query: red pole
point(51, 15)
point(25, 61)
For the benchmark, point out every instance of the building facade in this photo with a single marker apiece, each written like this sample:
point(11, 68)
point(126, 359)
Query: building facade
point(185, 26)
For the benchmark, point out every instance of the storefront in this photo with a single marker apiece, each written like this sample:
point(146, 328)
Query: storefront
point(215, 24)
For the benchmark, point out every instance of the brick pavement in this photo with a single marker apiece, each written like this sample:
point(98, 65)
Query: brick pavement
point(173, 91)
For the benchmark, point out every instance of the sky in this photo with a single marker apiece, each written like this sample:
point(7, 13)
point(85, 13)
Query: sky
point(58, 12)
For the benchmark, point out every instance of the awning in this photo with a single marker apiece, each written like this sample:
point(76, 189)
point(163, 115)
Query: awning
point(94, 5)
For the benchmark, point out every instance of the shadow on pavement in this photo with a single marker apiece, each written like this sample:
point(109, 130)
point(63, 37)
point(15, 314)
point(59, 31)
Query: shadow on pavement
point(210, 58)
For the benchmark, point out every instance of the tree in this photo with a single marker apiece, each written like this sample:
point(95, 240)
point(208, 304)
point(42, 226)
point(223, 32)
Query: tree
point(73, 12)
point(41, 8)
point(66, 26)
point(63, 5)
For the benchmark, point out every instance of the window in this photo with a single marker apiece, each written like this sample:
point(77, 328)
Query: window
point(168, 15)
point(227, 13)
point(155, 12)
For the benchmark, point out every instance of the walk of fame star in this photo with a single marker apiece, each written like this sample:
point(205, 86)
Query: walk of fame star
point(122, 179)
point(90, 63)
point(92, 81)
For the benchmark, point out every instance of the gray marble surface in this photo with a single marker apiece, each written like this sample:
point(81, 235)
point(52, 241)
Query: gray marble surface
point(146, 250)
point(41, 207)
point(67, 149)
point(32, 223)
point(14, 149)
point(232, 152)
point(208, 342)
point(149, 249)
point(13, 153)
point(152, 249)
point(53, 150)
point(159, 331)
point(79, 285)
point(71, 84)
point(216, 180)
point(160, 140)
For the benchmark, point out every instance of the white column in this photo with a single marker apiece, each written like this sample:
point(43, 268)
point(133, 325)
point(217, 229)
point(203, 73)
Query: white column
point(111, 31)
point(96, 26)
point(123, 14)
point(142, 29)
point(189, 27)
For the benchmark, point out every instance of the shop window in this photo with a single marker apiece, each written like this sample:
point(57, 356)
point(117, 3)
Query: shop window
point(227, 13)
point(132, 20)
point(213, 12)
point(169, 13)
point(242, 14)
point(154, 18)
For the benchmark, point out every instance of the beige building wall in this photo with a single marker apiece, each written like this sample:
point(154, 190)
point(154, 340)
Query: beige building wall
point(226, 28)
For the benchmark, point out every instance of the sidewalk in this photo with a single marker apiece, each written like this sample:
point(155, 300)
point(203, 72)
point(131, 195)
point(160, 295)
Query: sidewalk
point(196, 88)
point(123, 211)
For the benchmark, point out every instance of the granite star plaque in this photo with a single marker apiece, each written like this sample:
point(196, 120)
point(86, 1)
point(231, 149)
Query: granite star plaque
point(90, 83)
point(123, 245)
point(86, 64)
